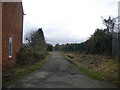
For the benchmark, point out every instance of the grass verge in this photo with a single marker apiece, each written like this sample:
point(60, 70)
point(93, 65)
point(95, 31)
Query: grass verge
point(98, 67)
point(20, 71)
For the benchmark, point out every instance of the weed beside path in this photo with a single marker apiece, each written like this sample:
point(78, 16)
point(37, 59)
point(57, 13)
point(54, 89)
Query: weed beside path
point(98, 67)
point(20, 71)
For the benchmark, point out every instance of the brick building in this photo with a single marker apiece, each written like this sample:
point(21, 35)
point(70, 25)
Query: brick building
point(11, 31)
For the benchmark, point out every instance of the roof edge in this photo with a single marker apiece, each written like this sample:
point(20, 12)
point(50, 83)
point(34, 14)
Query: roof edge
point(10, 0)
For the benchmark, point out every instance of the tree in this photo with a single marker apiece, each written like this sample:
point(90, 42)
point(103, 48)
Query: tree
point(29, 36)
point(37, 49)
point(57, 47)
point(109, 23)
point(49, 47)
point(36, 40)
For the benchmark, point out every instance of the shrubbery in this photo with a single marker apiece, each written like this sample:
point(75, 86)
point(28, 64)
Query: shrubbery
point(28, 55)
point(99, 43)
point(34, 50)
point(49, 47)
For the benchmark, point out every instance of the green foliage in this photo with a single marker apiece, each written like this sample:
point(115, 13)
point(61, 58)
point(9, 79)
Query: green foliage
point(99, 43)
point(104, 67)
point(57, 46)
point(28, 56)
point(38, 55)
point(49, 47)
point(24, 55)
point(37, 38)
point(35, 50)
point(20, 70)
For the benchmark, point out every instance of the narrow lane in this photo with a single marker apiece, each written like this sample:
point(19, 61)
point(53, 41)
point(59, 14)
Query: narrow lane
point(58, 73)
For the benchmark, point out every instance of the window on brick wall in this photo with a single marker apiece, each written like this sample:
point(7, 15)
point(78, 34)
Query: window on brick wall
point(10, 42)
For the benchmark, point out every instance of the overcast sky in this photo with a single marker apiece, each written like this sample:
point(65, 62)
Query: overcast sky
point(67, 21)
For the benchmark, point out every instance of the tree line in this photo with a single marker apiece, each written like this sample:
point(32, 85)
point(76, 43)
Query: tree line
point(99, 43)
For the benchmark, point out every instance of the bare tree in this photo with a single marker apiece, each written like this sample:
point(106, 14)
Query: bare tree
point(109, 23)
point(29, 36)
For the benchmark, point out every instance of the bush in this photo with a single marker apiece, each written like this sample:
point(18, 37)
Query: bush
point(29, 55)
point(49, 47)
point(38, 55)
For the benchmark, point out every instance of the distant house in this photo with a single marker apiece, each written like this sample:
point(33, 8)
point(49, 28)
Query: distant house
point(11, 33)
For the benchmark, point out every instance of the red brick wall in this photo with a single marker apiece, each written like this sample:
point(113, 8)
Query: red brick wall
point(12, 26)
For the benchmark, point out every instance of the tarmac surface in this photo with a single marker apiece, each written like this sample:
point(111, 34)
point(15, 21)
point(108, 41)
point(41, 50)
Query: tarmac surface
point(58, 73)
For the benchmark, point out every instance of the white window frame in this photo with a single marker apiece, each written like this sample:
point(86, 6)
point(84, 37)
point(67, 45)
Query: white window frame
point(10, 44)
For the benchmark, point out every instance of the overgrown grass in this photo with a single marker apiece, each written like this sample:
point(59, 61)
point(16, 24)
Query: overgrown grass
point(98, 67)
point(21, 70)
